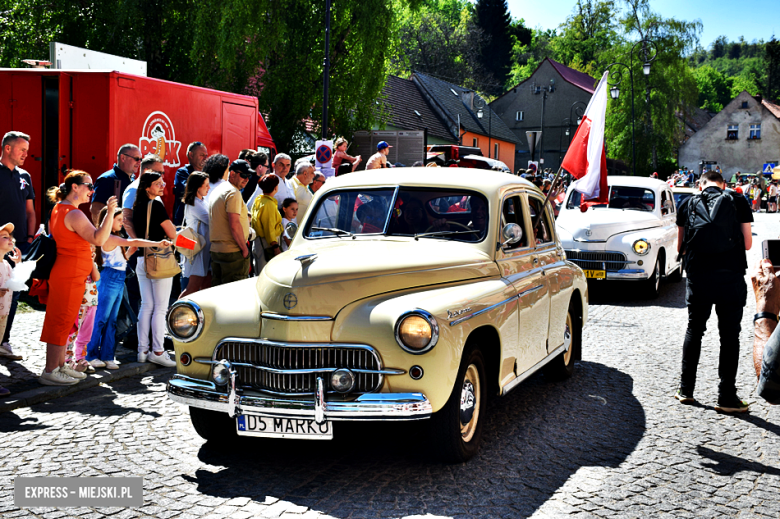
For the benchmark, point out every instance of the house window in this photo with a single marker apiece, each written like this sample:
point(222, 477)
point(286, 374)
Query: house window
point(519, 116)
point(732, 133)
point(745, 104)
point(755, 131)
point(495, 151)
point(474, 143)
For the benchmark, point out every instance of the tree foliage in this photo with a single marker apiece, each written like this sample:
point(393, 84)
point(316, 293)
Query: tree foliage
point(493, 18)
point(586, 34)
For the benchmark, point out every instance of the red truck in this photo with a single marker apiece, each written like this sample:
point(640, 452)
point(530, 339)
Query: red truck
point(78, 120)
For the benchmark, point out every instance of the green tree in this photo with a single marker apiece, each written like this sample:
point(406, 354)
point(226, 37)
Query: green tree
point(527, 56)
point(496, 53)
point(591, 29)
point(714, 88)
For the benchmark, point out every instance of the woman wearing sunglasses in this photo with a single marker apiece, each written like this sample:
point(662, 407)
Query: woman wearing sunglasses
point(74, 233)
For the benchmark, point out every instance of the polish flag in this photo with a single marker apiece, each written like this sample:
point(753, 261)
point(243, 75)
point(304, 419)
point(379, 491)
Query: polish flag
point(586, 158)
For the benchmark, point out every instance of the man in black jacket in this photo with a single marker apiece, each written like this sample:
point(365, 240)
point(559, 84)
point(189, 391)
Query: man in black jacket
point(713, 234)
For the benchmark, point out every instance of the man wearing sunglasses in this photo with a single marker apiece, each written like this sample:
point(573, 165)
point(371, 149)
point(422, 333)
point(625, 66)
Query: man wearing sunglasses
point(229, 229)
point(114, 181)
point(196, 155)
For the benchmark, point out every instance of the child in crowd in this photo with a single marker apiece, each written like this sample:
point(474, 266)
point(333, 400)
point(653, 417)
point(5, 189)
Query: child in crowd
point(111, 288)
point(7, 244)
point(289, 212)
point(82, 328)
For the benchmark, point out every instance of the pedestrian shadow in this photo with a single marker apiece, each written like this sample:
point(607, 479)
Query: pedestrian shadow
point(534, 440)
point(728, 465)
point(631, 293)
point(11, 422)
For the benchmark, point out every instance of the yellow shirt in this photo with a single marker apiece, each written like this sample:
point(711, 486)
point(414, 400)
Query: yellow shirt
point(303, 196)
point(266, 220)
point(223, 200)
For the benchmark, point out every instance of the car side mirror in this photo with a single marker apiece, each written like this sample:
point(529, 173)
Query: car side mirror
point(291, 228)
point(512, 233)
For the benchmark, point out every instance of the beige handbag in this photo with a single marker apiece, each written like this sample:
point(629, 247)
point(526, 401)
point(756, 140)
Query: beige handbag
point(197, 237)
point(159, 262)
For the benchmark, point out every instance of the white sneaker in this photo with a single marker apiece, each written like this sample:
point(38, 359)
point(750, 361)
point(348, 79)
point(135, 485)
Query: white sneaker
point(97, 363)
point(72, 372)
point(142, 356)
point(162, 359)
point(56, 378)
point(8, 352)
point(110, 364)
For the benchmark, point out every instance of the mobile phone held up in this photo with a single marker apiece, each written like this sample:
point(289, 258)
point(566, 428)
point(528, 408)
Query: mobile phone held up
point(771, 251)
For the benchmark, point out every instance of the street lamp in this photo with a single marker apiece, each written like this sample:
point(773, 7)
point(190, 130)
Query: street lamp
point(480, 104)
point(577, 109)
point(539, 90)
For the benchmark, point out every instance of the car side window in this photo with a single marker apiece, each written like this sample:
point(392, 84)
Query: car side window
point(512, 212)
point(543, 232)
point(666, 207)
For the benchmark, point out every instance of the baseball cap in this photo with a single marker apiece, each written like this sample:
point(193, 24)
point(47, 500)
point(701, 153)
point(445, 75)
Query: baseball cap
point(382, 145)
point(7, 227)
point(242, 167)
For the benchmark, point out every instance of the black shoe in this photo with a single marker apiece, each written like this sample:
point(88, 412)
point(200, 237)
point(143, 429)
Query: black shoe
point(732, 405)
point(684, 397)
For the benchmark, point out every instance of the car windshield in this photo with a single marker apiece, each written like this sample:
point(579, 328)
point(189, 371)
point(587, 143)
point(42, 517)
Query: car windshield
point(446, 214)
point(620, 197)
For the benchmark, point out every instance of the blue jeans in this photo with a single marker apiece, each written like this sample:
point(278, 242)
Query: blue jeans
point(111, 289)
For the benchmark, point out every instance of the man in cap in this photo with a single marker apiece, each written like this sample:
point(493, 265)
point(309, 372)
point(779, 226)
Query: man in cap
point(379, 159)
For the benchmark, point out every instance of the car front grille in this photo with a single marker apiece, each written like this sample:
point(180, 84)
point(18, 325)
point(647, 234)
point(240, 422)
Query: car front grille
point(293, 369)
point(597, 260)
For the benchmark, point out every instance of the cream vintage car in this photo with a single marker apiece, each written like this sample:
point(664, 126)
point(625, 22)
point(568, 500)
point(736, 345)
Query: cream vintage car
point(632, 238)
point(407, 294)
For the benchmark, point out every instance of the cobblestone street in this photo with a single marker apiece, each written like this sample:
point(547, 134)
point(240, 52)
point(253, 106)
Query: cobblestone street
point(609, 442)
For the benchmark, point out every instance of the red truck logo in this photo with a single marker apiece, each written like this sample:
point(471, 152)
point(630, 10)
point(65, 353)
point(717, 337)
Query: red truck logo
point(159, 138)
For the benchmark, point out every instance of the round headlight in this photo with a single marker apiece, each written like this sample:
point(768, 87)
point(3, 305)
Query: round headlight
point(221, 373)
point(641, 247)
point(342, 380)
point(417, 331)
point(185, 321)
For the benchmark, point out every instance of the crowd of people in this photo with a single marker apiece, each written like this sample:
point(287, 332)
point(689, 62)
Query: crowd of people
point(235, 211)
point(759, 191)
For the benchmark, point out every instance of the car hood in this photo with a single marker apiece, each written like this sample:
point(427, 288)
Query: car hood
point(600, 224)
point(345, 271)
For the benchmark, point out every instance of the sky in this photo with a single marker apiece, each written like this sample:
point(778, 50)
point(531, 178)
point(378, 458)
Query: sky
point(753, 19)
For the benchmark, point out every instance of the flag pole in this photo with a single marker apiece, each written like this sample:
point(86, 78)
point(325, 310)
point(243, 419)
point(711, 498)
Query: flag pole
point(550, 194)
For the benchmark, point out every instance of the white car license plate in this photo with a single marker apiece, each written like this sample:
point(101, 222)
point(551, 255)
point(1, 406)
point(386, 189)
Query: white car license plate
point(595, 274)
point(269, 427)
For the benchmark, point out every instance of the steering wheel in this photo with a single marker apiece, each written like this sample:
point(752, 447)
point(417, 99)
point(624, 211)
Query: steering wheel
point(466, 227)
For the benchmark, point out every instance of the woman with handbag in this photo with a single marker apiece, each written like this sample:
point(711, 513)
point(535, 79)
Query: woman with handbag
point(73, 233)
point(196, 218)
point(156, 268)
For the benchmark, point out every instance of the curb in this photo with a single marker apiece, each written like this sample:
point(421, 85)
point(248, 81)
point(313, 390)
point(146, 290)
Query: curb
point(102, 376)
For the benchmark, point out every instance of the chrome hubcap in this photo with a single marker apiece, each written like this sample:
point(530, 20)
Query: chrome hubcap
point(469, 403)
point(567, 340)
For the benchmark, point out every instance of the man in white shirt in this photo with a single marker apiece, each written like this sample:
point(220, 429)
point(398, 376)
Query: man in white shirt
point(281, 165)
point(304, 174)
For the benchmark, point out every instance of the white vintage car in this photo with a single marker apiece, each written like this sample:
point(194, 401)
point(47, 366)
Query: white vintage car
point(633, 237)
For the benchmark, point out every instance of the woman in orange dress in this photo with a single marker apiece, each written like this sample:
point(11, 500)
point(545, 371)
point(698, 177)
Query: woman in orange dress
point(73, 232)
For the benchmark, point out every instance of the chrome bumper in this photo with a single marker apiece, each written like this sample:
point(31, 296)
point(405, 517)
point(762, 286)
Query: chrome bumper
point(369, 406)
point(629, 274)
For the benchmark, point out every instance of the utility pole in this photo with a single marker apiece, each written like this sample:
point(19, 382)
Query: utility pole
point(326, 73)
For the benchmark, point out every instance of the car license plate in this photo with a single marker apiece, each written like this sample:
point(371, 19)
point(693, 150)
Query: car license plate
point(596, 274)
point(270, 427)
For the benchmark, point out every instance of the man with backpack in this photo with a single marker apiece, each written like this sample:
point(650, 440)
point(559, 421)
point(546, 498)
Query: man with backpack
point(713, 234)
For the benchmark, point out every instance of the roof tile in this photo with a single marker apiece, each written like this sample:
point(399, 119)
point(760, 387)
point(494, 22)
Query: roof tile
point(403, 102)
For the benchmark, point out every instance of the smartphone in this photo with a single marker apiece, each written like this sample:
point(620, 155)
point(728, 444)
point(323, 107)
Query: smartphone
point(771, 251)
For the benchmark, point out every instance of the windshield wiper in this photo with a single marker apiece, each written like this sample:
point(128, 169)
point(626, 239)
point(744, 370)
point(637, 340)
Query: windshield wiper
point(338, 232)
point(444, 233)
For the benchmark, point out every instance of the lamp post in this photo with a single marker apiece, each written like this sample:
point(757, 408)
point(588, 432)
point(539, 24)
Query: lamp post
point(326, 72)
point(577, 109)
point(614, 91)
point(544, 90)
point(479, 105)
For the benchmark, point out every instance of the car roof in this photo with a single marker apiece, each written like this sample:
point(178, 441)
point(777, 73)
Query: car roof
point(485, 181)
point(684, 190)
point(629, 181)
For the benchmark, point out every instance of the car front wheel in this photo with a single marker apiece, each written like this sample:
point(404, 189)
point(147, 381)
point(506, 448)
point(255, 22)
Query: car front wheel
point(653, 283)
point(456, 430)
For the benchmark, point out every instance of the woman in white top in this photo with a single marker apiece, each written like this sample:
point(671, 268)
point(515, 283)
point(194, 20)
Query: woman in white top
point(111, 288)
point(196, 217)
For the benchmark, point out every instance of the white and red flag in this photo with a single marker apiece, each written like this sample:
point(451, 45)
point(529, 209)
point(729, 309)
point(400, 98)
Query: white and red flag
point(586, 158)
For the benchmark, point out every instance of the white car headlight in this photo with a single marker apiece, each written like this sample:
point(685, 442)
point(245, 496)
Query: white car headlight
point(185, 321)
point(641, 246)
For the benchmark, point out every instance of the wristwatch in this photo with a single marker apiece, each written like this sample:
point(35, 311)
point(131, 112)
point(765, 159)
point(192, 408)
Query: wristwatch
point(765, 315)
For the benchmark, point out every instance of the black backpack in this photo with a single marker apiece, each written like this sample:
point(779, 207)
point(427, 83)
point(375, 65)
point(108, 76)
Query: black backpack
point(711, 226)
point(43, 249)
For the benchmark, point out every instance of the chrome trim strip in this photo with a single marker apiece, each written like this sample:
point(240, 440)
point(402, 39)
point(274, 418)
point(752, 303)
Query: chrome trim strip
point(319, 403)
point(536, 367)
point(198, 312)
point(385, 371)
point(530, 290)
point(480, 312)
point(370, 406)
point(434, 324)
point(306, 257)
point(282, 317)
point(580, 240)
point(628, 274)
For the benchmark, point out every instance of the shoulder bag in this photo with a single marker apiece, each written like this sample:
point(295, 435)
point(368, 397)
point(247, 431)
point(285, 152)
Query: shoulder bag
point(196, 236)
point(43, 250)
point(159, 262)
